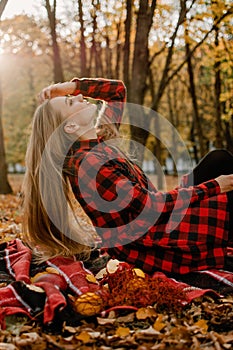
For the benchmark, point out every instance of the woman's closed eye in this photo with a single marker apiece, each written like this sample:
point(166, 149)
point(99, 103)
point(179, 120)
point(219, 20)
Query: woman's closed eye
point(69, 101)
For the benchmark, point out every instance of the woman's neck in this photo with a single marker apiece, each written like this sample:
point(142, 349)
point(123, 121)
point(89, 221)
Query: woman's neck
point(88, 135)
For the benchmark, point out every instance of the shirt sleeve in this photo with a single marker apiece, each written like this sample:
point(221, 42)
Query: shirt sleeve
point(156, 201)
point(122, 197)
point(113, 92)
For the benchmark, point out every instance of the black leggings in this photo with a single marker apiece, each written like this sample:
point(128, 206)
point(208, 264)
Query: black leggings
point(215, 163)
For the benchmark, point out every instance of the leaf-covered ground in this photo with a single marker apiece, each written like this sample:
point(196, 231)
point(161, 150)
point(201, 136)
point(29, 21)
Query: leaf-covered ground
point(204, 324)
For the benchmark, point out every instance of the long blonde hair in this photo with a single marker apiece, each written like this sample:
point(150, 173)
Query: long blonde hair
point(46, 191)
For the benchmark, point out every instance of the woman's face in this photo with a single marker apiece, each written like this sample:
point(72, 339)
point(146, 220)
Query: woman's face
point(74, 108)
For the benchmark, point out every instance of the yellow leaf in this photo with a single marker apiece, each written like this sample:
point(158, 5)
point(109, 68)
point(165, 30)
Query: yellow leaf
point(52, 270)
point(145, 312)
point(139, 273)
point(84, 337)
point(3, 284)
point(91, 278)
point(122, 331)
point(35, 288)
point(103, 321)
point(159, 325)
point(202, 324)
point(88, 304)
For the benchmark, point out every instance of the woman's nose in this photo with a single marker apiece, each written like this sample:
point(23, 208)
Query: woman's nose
point(79, 97)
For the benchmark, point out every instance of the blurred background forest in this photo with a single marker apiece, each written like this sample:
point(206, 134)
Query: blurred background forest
point(175, 57)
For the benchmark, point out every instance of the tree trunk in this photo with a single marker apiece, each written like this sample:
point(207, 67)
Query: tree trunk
point(217, 90)
point(140, 69)
point(228, 137)
point(83, 54)
point(194, 144)
point(58, 72)
point(2, 6)
point(126, 59)
point(172, 119)
point(156, 97)
point(93, 52)
point(118, 52)
point(5, 187)
point(163, 82)
point(192, 90)
point(108, 58)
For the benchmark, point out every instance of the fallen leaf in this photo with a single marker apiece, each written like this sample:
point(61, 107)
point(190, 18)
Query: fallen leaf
point(35, 288)
point(202, 324)
point(84, 337)
point(112, 265)
point(3, 284)
point(101, 274)
point(91, 278)
point(103, 321)
point(70, 329)
point(139, 273)
point(95, 334)
point(128, 318)
point(148, 331)
point(159, 325)
point(145, 312)
point(27, 339)
point(50, 269)
point(5, 346)
point(88, 304)
point(122, 331)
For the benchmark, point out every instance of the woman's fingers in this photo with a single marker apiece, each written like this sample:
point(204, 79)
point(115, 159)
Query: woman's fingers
point(55, 90)
point(44, 94)
point(225, 182)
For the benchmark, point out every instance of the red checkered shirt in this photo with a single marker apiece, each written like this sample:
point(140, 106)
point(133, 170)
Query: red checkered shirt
point(179, 231)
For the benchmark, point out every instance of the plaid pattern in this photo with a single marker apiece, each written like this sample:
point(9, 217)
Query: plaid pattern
point(51, 300)
point(179, 231)
point(111, 91)
point(23, 296)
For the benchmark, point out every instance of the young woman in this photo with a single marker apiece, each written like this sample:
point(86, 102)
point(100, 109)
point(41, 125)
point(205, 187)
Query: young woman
point(178, 231)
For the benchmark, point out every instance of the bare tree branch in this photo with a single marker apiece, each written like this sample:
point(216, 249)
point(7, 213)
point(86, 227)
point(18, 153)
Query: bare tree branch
point(163, 81)
point(2, 6)
point(157, 53)
point(229, 12)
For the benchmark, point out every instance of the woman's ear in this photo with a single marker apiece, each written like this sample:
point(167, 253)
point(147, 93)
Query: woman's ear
point(71, 127)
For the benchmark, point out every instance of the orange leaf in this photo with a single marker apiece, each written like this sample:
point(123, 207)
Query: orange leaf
point(159, 325)
point(84, 337)
point(202, 324)
point(139, 273)
point(122, 331)
point(145, 312)
point(91, 278)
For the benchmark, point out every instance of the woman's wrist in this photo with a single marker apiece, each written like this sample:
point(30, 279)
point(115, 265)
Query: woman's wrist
point(73, 87)
point(75, 82)
point(66, 88)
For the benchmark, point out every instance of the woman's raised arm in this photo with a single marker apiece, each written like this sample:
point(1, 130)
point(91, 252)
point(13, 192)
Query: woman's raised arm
point(55, 90)
point(112, 92)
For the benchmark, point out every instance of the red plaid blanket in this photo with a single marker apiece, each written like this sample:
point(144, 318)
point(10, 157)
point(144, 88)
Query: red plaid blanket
point(48, 295)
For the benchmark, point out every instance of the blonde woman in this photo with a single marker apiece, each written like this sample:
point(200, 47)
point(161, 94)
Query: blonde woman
point(70, 153)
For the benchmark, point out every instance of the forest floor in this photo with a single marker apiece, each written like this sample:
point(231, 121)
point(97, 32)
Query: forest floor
point(206, 323)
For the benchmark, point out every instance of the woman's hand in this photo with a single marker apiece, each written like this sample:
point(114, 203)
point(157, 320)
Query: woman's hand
point(55, 90)
point(225, 182)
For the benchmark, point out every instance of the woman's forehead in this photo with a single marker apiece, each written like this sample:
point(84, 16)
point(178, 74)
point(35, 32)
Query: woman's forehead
point(58, 100)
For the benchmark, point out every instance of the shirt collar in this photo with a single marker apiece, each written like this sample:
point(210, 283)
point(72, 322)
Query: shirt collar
point(85, 144)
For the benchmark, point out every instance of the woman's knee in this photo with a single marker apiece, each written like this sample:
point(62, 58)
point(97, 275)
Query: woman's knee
point(217, 158)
